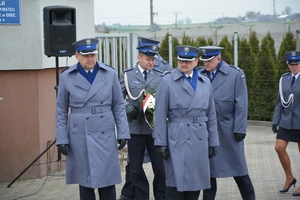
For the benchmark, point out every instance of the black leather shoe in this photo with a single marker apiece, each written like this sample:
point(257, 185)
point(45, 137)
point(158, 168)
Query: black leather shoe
point(124, 198)
point(296, 194)
point(287, 189)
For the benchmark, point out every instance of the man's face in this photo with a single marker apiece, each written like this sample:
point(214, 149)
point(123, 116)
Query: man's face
point(187, 66)
point(294, 68)
point(146, 62)
point(212, 64)
point(87, 61)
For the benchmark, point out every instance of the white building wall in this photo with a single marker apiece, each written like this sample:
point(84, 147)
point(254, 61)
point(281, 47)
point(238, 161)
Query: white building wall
point(22, 46)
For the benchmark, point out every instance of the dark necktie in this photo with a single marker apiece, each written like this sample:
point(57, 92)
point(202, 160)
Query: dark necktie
point(145, 75)
point(190, 78)
point(90, 73)
point(212, 74)
point(293, 80)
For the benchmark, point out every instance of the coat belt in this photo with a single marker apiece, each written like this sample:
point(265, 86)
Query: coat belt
point(188, 119)
point(91, 110)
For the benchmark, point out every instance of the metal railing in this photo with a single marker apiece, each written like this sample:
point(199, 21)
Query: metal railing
point(118, 50)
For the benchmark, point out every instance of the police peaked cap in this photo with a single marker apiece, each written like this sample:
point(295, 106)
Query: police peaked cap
point(86, 46)
point(144, 41)
point(209, 52)
point(187, 53)
point(292, 57)
point(149, 50)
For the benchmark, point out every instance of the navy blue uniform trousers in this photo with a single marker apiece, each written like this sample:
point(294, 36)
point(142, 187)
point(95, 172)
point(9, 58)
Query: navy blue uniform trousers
point(243, 182)
point(138, 181)
point(106, 193)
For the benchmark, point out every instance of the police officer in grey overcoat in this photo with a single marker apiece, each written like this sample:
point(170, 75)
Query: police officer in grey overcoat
point(185, 127)
point(162, 65)
point(90, 117)
point(231, 101)
point(134, 83)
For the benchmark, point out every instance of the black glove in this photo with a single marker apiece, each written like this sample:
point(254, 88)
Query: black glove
point(63, 148)
point(239, 136)
point(212, 151)
point(131, 111)
point(162, 151)
point(274, 128)
point(122, 143)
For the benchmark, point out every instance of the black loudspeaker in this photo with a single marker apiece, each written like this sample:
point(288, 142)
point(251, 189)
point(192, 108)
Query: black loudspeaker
point(59, 30)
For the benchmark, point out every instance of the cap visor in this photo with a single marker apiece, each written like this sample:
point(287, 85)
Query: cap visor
point(293, 62)
point(186, 59)
point(88, 52)
point(151, 55)
point(207, 58)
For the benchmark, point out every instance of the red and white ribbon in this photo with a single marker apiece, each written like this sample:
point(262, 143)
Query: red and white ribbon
point(148, 103)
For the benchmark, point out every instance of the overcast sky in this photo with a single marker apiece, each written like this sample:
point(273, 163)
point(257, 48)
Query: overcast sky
point(137, 12)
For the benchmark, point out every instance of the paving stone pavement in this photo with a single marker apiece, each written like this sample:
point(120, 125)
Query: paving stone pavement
point(264, 169)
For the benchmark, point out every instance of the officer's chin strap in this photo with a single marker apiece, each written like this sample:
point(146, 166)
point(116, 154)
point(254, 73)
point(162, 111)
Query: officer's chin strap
point(128, 90)
point(290, 100)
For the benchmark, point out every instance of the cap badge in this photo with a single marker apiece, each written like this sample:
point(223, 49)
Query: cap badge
point(88, 41)
point(293, 53)
point(154, 48)
point(186, 49)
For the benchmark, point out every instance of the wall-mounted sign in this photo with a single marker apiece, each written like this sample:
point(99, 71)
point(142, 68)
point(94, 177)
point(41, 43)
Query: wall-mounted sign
point(10, 12)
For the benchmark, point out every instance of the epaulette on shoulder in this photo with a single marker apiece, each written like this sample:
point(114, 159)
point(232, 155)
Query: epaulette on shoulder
point(164, 62)
point(64, 69)
point(109, 66)
point(198, 68)
point(235, 67)
point(165, 73)
point(127, 70)
point(286, 74)
point(158, 70)
point(240, 71)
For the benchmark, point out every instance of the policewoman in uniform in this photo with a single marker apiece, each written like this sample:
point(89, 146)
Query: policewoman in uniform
point(189, 138)
point(91, 92)
point(231, 102)
point(134, 82)
point(162, 65)
point(287, 117)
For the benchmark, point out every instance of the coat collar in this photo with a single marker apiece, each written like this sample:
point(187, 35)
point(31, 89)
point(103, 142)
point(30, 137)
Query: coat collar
point(288, 82)
point(99, 81)
point(140, 77)
point(222, 71)
point(194, 95)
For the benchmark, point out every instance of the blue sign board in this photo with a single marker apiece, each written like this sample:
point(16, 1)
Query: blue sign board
point(10, 12)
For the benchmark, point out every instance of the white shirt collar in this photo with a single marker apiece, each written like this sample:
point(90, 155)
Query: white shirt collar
point(87, 71)
point(141, 69)
point(296, 76)
point(191, 75)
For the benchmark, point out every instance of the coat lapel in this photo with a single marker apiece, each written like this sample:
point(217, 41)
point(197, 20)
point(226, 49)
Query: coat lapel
point(218, 80)
point(99, 81)
point(138, 74)
point(197, 95)
point(80, 81)
point(150, 77)
point(296, 83)
point(188, 88)
point(185, 85)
